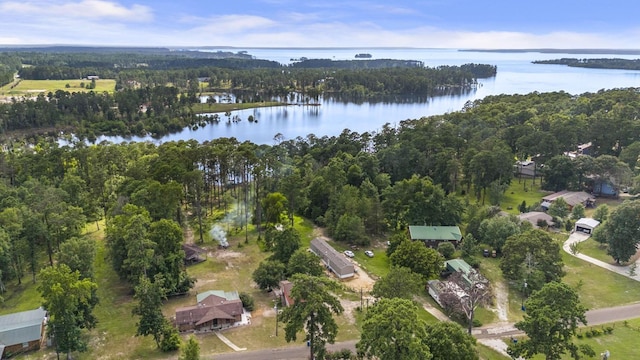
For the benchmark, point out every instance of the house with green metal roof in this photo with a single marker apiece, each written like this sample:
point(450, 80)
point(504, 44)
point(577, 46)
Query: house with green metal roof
point(21, 332)
point(459, 266)
point(434, 235)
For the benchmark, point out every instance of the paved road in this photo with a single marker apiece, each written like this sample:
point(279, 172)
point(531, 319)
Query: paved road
point(594, 317)
point(288, 353)
point(494, 331)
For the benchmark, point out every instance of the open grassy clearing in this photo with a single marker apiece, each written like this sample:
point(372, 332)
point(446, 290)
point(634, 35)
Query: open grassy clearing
point(595, 250)
point(490, 268)
point(34, 87)
point(224, 107)
point(622, 343)
point(519, 190)
point(487, 353)
point(598, 287)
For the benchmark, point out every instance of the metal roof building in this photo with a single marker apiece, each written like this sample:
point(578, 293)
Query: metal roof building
point(335, 261)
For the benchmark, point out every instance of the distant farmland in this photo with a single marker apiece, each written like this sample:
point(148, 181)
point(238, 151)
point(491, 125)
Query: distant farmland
point(34, 87)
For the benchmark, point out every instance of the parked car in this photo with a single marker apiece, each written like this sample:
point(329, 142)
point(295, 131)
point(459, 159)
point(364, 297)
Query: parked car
point(369, 253)
point(349, 253)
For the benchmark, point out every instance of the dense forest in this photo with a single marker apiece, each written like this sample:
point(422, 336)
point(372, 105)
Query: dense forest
point(450, 169)
point(156, 94)
point(616, 63)
point(356, 185)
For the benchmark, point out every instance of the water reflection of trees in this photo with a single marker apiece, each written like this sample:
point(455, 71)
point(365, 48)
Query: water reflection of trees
point(304, 99)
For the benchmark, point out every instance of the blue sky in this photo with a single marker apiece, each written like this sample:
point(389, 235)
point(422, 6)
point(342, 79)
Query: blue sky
point(328, 23)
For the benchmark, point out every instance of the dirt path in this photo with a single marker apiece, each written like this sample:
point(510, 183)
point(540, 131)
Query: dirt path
point(502, 302)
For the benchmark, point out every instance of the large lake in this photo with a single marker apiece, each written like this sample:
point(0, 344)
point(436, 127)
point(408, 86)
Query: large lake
point(516, 75)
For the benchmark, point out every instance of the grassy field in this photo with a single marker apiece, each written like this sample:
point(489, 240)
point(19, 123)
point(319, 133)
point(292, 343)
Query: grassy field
point(224, 107)
point(622, 343)
point(598, 287)
point(519, 190)
point(34, 87)
point(595, 250)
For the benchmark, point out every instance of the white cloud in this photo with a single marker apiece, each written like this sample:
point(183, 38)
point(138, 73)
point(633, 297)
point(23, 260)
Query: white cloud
point(91, 9)
point(36, 22)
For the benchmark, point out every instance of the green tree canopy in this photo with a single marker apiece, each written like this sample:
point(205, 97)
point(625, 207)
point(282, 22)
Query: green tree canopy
point(420, 259)
point(79, 254)
point(304, 262)
point(392, 330)
point(533, 257)
point(312, 311)
point(400, 282)
point(191, 350)
point(268, 274)
point(285, 243)
point(495, 231)
point(552, 318)
point(64, 296)
point(149, 308)
point(449, 341)
point(622, 232)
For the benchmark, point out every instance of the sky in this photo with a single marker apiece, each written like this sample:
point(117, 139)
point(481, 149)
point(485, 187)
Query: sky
point(479, 24)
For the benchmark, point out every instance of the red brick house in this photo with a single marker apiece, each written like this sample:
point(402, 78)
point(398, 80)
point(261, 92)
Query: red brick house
point(215, 310)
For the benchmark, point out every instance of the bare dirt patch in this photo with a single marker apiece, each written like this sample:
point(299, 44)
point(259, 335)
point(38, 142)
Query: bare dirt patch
point(502, 301)
point(361, 281)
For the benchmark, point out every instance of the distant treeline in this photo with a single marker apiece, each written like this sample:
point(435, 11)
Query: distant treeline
point(615, 63)
point(353, 64)
point(477, 70)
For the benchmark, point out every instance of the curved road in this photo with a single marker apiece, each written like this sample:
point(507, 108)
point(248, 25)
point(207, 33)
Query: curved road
point(594, 317)
point(495, 331)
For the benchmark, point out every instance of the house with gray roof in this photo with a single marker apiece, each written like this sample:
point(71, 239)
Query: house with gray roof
point(21, 332)
point(536, 218)
point(434, 235)
point(333, 260)
point(572, 198)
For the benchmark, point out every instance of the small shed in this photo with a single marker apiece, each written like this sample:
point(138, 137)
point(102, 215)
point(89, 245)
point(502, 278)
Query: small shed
point(193, 254)
point(333, 260)
point(434, 235)
point(586, 225)
point(525, 168)
point(21, 332)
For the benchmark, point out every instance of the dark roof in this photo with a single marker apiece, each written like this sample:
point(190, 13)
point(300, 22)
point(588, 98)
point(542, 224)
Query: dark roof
point(210, 307)
point(22, 327)
point(192, 252)
point(440, 233)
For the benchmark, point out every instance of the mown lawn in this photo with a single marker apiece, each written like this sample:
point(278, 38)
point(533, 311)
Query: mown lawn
point(621, 344)
point(487, 353)
point(596, 286)
point(595, 250)
point(224, 107)
point(34, 87)
point(521, 190)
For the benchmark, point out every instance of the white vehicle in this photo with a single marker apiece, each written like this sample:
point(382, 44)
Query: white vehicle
point(369, 253)
point(349, 253)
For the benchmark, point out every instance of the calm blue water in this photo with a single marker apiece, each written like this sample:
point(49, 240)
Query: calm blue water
point(516, 75)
